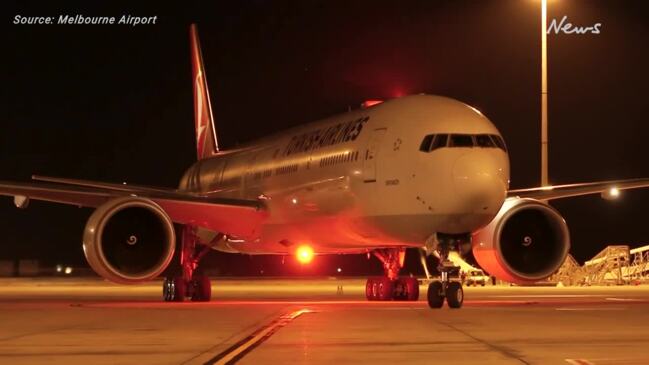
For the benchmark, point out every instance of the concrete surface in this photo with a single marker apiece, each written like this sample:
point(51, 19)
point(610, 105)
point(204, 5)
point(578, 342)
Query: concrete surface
point(89, 321)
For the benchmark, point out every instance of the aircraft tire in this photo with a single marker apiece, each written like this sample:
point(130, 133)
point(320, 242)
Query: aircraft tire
point(454, 294)
point(412, 288)
point(435, 296)
point(369, 289)
point(167, 292)
point(384, 289)
point(202, 289)
point(179, 289)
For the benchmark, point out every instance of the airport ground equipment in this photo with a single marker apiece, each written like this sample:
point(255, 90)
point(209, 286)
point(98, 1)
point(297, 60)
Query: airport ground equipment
point(570, 273)
point(608, 267)
point(638, 271)
point(616, 264)
point(476, 277)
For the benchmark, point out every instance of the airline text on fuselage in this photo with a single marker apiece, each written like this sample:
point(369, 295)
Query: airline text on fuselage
point(339, 133)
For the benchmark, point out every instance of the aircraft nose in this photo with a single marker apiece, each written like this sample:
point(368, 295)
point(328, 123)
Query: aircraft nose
point(480, 181)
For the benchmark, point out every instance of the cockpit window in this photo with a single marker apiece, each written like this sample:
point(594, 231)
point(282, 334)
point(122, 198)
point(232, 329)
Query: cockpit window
point(439, 141)
point(499, 142)
point(461, 140)
point(484, 140)
point(435, 141)
point(425, 144)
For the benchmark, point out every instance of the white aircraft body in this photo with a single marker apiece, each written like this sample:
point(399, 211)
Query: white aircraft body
point(419, 171)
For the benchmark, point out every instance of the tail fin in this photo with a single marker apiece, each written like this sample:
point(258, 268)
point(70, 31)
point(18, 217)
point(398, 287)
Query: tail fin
point(206, 143)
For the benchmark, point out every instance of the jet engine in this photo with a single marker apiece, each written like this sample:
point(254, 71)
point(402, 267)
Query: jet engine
point(526, 242)
point(129, 240)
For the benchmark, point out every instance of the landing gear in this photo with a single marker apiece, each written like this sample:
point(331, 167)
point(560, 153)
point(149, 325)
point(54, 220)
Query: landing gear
point(435, 295)
point(454, 294)
point(379, 289)
point(202, 289)
point(449, 285)
point(412, 289)
point(174, 289)
point(391, 286)
point(191, 283)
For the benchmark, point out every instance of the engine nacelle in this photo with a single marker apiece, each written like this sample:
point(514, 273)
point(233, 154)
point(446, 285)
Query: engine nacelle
point(129, 240)
point(526, 242)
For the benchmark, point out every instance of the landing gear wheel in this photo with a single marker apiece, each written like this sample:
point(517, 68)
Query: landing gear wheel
point(191, 282)
point(174, 289)
point(202, 289)
point(400, 290)
point(369, 289)
point(412, 288)
point(180, 289)
point(167, 290)
point(435, 295)
point(384, 289)
point(454, 294)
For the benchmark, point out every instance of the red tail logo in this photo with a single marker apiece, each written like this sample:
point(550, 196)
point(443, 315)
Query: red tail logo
point(206, 142)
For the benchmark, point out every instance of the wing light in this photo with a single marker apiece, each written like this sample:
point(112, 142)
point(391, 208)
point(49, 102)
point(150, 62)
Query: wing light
point(611, 194)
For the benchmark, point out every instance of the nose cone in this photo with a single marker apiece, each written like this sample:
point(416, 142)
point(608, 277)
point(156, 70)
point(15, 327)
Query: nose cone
point(480, 179)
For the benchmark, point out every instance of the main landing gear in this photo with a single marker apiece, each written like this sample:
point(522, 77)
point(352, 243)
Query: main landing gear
point(449, 285)
point(192, 283)
point(391, 286)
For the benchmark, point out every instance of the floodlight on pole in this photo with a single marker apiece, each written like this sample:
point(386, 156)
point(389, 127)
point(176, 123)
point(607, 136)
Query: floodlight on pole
point(544, 93)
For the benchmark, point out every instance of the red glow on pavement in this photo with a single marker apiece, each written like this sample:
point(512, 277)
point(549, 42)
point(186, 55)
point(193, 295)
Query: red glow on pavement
point(371, 102)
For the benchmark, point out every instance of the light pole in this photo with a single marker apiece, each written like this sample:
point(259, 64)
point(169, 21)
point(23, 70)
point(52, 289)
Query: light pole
point(544, 93)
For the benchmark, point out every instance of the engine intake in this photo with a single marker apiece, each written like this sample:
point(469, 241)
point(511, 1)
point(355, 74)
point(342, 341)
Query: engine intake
point(526, 242)
point(129, 240)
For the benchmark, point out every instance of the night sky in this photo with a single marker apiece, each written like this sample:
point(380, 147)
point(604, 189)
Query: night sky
point(114, 102)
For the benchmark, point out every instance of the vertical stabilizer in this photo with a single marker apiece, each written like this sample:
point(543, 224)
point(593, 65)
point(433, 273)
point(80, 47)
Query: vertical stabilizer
point(206, 143)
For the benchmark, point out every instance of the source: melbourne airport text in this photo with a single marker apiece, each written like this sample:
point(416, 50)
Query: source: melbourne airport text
point(79, 19)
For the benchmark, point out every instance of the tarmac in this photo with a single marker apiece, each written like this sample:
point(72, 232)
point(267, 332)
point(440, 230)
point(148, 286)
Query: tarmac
point(317, 321)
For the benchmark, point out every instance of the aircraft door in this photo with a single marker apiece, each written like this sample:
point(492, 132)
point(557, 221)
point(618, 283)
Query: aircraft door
point(371, 154)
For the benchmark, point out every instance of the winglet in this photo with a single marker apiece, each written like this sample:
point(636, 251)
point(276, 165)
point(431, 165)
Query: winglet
point(206, 143)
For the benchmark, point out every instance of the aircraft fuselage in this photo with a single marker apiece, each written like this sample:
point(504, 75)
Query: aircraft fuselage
point(360, 180)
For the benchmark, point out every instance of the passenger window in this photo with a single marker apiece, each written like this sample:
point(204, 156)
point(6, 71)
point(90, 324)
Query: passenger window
point(461, 140)
point(483, 140)
point(439, 141)
point(425, 144)
point(499, 142)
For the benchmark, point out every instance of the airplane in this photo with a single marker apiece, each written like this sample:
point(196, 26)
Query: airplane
point(420, 171)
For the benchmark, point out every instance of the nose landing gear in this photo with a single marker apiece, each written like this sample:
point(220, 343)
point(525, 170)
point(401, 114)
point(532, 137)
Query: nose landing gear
point(192, 283)
point(449, 286)
point(391, 286)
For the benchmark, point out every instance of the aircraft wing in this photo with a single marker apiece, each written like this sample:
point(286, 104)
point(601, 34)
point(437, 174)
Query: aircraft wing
point(237, 217)
point(608, 189)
